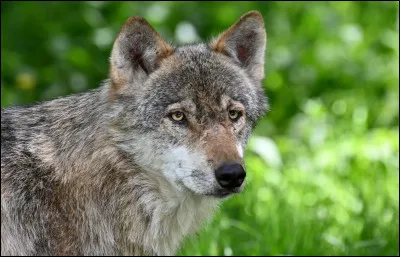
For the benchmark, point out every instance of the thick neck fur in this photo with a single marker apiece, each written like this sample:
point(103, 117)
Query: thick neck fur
point(101, 202)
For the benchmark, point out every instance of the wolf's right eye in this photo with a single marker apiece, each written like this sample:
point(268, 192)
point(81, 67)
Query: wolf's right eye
point(234, 115)
point(177, 116)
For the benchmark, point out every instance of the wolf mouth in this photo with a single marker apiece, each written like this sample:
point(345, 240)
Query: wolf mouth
point(224, 193)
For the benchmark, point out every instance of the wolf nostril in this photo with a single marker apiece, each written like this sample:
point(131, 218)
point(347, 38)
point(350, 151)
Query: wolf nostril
point(230, 175)
point(241, 177)
point(224, 180)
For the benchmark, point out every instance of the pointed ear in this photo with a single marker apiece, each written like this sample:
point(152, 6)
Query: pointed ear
point(245, 42)
point(136, 52)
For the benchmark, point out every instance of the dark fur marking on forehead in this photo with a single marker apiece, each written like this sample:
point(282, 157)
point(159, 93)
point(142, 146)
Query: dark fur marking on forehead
point(201, 76)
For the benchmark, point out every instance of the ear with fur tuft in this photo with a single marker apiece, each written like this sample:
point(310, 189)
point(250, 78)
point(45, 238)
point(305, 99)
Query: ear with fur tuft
point(136, 52)
point(245, 42)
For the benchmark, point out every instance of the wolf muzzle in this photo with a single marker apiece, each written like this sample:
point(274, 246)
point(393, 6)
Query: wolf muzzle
point(230, 175)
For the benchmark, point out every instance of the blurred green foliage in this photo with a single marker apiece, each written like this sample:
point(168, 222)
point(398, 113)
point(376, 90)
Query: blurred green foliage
point(323, 171)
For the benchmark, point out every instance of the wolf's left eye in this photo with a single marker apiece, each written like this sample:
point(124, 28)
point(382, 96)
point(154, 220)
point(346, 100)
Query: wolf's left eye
point(177, 116)
point(234, 115)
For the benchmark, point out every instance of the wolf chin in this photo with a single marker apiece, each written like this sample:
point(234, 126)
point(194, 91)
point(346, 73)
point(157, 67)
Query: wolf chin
point(134, 166)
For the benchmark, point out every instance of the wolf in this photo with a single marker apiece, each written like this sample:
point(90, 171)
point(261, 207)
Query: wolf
point(144, 160)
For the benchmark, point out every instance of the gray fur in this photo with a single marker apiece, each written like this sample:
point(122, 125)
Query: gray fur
point(107, 172)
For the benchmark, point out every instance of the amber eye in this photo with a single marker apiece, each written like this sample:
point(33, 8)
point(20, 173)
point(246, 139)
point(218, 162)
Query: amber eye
point(234, 115)
point(177, 116)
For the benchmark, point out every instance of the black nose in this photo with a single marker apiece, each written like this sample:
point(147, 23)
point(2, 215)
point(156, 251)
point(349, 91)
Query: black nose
point(230, 175)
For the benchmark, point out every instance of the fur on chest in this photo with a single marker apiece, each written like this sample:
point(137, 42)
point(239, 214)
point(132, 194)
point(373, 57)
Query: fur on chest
point(173, 216)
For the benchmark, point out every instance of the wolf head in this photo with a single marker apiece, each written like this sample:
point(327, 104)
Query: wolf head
point(185, 113)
